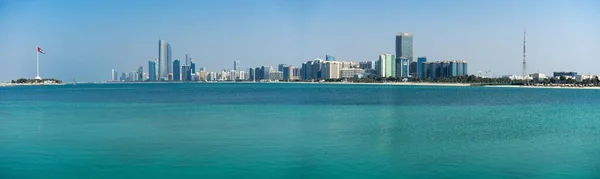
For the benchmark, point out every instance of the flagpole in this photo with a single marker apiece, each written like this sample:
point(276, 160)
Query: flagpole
point(37, 59)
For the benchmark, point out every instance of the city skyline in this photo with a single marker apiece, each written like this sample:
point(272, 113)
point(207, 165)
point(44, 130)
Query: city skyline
point(489, 38)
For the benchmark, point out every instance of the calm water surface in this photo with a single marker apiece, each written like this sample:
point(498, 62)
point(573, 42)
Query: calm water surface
point(297, 131)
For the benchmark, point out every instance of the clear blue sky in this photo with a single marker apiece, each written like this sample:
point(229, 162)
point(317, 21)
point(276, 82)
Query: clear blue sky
point(86, 39)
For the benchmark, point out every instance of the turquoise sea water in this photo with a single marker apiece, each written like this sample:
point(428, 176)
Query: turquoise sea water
point(297, 131)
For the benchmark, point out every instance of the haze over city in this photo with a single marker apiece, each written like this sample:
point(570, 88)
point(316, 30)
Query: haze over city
point(85, 40)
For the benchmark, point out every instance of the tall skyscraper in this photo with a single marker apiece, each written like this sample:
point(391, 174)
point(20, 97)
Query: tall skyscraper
point(140, 73)
point(164, 66)
point(169, 61)
point(186, 73)
point(152, 70)
point(402, 67)
point(188, 59)
point(386, 66)
point(176, 70)
point(251, 75)
point(281, 67)
point(404, 46)
point(420, 62)
point(236, 65)
point(193, 67)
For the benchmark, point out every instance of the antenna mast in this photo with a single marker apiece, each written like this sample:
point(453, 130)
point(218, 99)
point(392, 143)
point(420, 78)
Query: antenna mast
point(524, 56)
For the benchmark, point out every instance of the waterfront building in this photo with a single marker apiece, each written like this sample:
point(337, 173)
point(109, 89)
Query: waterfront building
point(186, 73)
point(241, 75)
point(193, 66)
point(443, 69)
point(386, 66)
point(419, 66)
point(152, 70)
point(251, 74)
point(402, 67)
point(164, 60)
point(236, 65)
point(367, 65)
point(280, 67)
point(176, 70)
point(275, 75)
point(351, 72)
point(266, 70)
point(311, 70)
point(188, 59)
point(288, 73)
point(570, 74)
point(140, 73)
point(296, 73)
point(331, 70)
point(114, 75)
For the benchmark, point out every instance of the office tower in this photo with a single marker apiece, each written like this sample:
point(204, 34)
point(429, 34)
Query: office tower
point(188, 59)
point(296, 73)
point(367, 65)
point(176, 70)
point(265, 72)
point(169, 61)
point(402, 67)
point(236, 65)
point(419, 65)
point(114, 75)
point(329, 58)
point(280, 67)
point(186, 72)
point(303, 70)
point(351, 72)
point(288, 72)
point(193, 66)
point(315, 69)
point(404, 46)
point(386, 66)
point(140, 74)
point(275, 75)
point(251, 74)
point(152, 70)
point(331, 70)
point(164, 67)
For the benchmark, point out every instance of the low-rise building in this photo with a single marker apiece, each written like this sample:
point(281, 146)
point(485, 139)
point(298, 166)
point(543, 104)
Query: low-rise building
point(351, 72)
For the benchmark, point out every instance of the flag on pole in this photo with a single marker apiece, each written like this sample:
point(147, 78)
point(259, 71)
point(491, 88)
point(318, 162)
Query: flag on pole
point(41, 51)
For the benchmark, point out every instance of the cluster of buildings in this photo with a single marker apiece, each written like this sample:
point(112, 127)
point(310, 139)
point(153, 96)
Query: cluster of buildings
point(400, 65)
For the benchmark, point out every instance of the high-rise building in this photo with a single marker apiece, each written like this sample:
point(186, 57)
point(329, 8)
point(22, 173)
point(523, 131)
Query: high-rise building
point(176, 70)
point(404, 46)
point(114, 75)
point(140, 73)
point(193, 66)
point(275, 75)
point(266, 70)
point(386, 66)
point(419, 65)
point(351, 72)
point(169, 62)
point(236, 65)
point(188, 59)
point(367, 65)
point(444, 69)
point(186, 72)
point(251, 74)
point(164, 60)
point(202, 69)
point(331, 70)
point(402, 67)
point(288, 73)
point(297, 73)
point(280, 67)
point(329, 58)
point(152, 70)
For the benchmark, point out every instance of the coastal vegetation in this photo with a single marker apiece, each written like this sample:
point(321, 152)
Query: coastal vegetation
point(36, 81)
